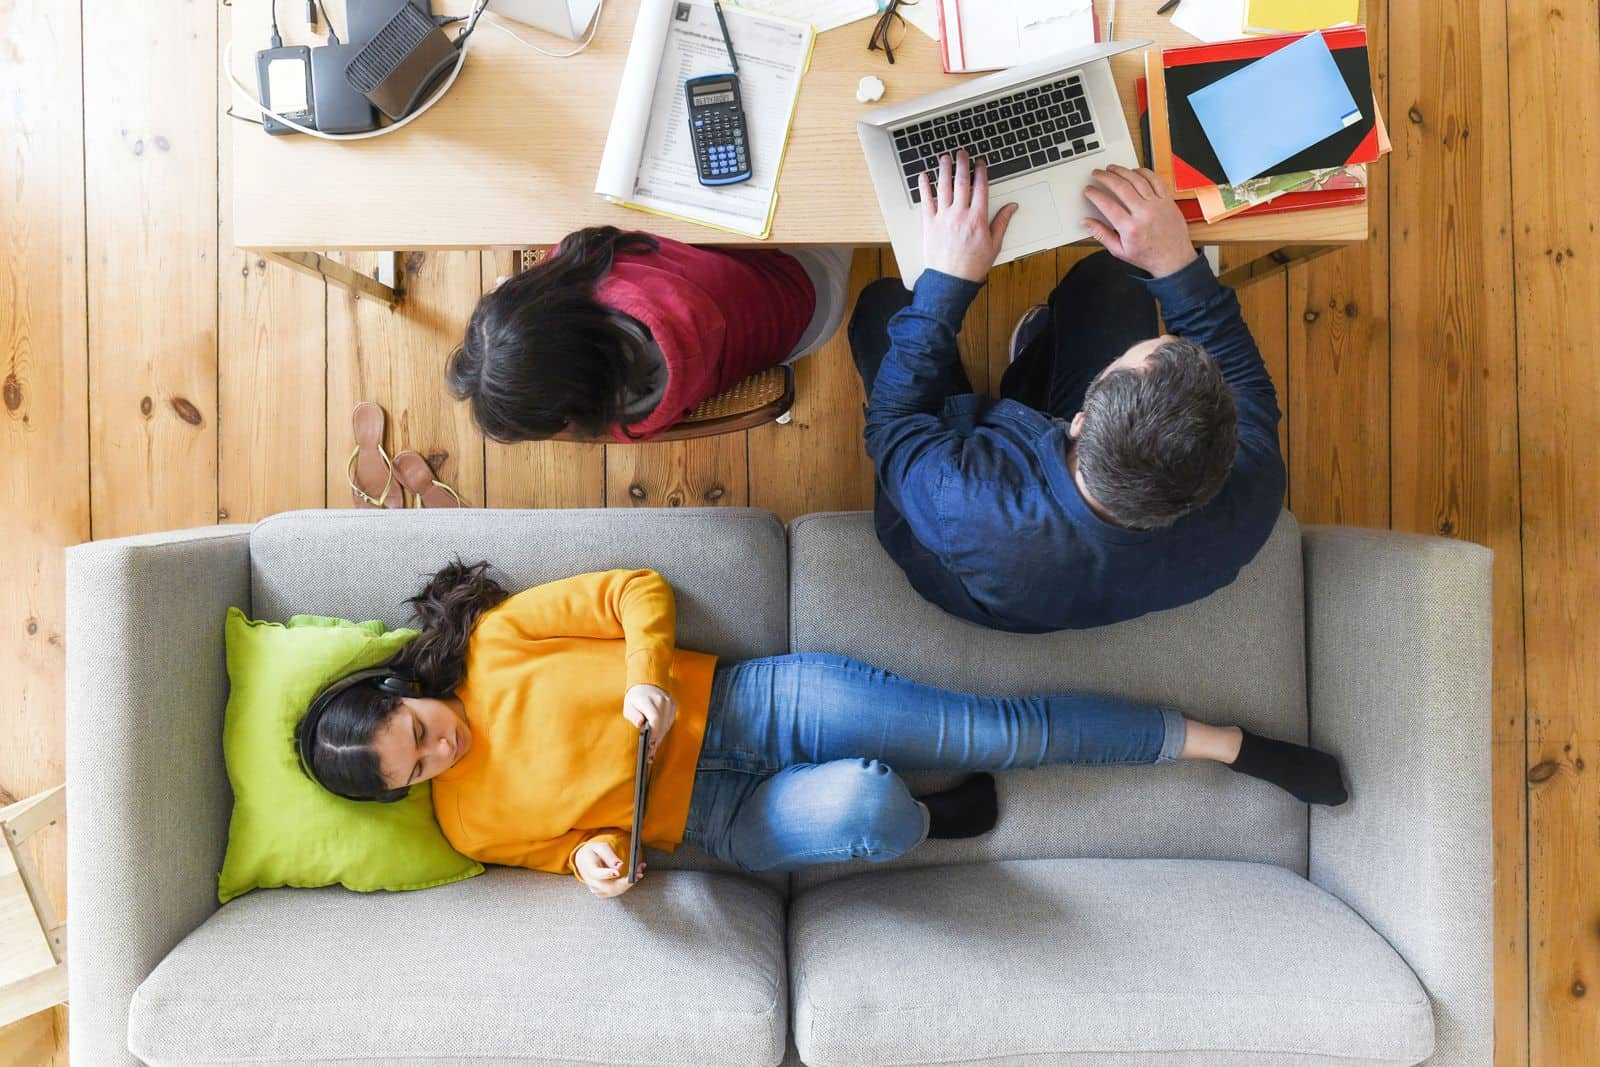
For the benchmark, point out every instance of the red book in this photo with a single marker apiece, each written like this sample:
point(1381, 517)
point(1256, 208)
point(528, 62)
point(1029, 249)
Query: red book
point(1186, 70)
point(1299, 201)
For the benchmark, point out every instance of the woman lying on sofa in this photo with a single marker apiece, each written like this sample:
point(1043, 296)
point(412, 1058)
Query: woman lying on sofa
point(510, 706)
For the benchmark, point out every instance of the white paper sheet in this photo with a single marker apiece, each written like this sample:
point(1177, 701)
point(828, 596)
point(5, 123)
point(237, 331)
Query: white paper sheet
point(924, 15)
point(1211, 20)
point(648, 160)
point(995, 34)
point(822, 14)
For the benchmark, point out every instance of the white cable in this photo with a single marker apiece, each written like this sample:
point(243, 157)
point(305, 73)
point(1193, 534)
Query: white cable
point(588, 38)
point(478, 9)
point(240, 88)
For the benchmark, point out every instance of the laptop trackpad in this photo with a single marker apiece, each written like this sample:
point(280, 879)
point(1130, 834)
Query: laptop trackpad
point(1036, 219)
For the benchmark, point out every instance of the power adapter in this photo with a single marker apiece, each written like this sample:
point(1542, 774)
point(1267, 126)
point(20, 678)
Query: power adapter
point(339, 108)
point(364, 18)
point(403, 62)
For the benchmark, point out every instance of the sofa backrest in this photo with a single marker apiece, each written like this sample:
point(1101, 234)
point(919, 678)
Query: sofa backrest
point(1236, 656)
point(727, 566)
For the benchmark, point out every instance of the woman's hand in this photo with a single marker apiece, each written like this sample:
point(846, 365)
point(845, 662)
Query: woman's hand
point(957, 237)
point(600, 869)
point(650, 704)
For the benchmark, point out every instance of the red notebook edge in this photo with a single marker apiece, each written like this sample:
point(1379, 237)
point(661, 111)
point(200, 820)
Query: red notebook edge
point(1284, 204)
point(1256, 47)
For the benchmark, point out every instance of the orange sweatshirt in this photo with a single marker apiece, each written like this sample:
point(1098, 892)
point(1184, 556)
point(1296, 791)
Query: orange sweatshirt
point(552, 759)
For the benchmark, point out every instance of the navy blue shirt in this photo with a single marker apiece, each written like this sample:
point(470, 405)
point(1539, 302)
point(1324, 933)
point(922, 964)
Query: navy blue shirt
point(977, 503)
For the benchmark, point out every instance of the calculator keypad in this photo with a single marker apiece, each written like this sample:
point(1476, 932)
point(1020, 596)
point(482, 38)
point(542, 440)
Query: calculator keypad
point(719, 143)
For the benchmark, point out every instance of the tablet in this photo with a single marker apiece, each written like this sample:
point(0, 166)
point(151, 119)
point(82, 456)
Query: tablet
point(639, 771)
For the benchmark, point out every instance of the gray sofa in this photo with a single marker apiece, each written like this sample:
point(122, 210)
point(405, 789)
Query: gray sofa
point(1178, 915)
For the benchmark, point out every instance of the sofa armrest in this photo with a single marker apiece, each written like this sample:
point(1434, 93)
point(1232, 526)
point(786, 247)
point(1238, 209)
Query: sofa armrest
point(147, 793)
point(1398, 638)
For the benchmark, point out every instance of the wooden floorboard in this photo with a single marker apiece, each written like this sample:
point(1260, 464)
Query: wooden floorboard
point(272, 374)
point(395, 357)
point(534, 474)
point(150, 142)
point(817, 461)
point(1453, 387)
point(44, 439)
point(1439, 378)
point(1554, 157)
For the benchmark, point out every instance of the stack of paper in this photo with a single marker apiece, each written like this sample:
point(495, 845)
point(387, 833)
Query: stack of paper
point(1282, 132)
point(822, 14)
point(996, 34)
point(648, 161)
point(1298, 16)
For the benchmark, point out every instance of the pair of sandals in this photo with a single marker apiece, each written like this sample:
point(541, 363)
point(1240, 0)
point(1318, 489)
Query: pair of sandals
point(376, 481)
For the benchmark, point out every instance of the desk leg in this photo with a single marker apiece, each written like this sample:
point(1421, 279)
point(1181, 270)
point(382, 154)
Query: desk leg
point(1272, 262)
point(320, 266)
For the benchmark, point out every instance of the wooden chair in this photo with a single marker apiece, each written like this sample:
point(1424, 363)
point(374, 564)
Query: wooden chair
point(33, 945)
point(764, 397)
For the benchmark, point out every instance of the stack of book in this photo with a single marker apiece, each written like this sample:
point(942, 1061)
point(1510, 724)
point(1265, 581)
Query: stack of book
point(1264, 124)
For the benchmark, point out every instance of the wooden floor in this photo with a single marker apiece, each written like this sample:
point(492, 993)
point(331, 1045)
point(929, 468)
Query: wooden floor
point(1440, 378)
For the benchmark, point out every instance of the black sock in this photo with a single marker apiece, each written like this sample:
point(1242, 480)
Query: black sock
point(1313, 777)
point(964, 810)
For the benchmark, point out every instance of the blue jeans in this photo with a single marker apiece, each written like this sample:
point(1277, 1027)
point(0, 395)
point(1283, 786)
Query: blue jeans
point(796, 764)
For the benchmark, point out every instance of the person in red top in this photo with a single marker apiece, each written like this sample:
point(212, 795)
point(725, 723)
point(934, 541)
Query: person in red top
point(624, 333)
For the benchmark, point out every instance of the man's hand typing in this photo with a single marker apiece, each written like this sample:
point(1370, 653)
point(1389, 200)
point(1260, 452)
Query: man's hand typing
point(957, 237)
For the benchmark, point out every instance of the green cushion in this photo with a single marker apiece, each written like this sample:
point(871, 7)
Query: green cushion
point(286, 829)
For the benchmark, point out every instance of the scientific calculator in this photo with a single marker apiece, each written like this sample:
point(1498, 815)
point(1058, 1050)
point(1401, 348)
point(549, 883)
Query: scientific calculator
point(717, 129)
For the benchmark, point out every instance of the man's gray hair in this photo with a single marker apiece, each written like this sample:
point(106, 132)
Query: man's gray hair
point(1158, 443)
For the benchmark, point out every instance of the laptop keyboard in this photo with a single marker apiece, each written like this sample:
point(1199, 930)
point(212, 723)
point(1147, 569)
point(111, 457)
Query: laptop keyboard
point(1032, 128)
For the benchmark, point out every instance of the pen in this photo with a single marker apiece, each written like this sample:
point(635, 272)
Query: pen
point(725, 38)
point(1168, 6)
point(1111, 22)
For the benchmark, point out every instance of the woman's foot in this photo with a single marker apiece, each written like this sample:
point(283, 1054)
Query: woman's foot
point(1312, 777)
point(964, 810)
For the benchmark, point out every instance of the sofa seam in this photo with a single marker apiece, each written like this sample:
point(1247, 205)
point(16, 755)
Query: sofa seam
point(1424, 1002)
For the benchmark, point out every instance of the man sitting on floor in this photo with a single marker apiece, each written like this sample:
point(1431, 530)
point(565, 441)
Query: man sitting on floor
point(1123, 471)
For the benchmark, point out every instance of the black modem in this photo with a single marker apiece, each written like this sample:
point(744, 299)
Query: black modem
point(403, 62)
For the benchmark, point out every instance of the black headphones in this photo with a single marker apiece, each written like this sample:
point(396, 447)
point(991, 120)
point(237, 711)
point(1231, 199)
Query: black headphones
point(390, 680)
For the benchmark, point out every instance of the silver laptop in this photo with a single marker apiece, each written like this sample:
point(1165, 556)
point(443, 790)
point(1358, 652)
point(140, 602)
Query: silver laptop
point(565, 18)
point(1041, 127)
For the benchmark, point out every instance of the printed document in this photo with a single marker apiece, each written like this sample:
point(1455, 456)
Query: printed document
point(649, 160)
point(822, 14)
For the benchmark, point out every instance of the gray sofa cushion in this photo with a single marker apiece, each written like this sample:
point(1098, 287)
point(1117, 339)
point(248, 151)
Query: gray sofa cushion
point(1122, 961)
point(511, 967)
point(1236, 656)
point(728, 566)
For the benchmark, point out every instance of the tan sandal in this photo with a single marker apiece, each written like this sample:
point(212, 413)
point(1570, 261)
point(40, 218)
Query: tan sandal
point(370, 471)
point(416, 475)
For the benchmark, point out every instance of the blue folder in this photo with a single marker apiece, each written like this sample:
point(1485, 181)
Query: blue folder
point(1279, 105)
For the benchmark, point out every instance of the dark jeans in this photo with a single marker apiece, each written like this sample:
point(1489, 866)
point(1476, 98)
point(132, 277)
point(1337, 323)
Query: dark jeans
point(1097, 312)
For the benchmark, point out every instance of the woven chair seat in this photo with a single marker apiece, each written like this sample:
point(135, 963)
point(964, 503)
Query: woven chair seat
point(764, 397)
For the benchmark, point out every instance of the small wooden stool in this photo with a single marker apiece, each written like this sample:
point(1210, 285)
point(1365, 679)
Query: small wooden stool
point(33, 946)
point(766, 396)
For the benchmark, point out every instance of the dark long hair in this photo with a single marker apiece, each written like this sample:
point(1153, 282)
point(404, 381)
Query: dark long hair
point(541, 355)
point(338, 741)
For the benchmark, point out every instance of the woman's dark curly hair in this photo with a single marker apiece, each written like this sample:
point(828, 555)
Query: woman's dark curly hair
point(337, 740)
point(541, 355)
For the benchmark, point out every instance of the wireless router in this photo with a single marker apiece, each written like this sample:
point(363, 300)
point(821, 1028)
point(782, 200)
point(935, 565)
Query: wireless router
point(403, 62)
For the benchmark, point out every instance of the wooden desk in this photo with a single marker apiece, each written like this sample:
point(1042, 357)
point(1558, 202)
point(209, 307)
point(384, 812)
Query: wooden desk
point(508, 158)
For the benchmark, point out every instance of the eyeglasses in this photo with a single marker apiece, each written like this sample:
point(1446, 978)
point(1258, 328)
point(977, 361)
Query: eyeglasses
point(889, 32)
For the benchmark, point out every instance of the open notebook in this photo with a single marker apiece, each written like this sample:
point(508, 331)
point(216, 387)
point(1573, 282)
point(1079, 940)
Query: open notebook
point(648, 163)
